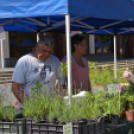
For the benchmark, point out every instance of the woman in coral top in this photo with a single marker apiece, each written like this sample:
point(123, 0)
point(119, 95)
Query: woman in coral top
point(80, 70)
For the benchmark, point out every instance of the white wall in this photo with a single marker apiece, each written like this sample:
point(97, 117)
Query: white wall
point(6, 47)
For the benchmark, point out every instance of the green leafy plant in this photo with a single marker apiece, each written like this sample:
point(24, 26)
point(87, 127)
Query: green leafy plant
point(63, 68)
point(111, 104)
point(92, 107)
point(63, 112)
point(130, 99)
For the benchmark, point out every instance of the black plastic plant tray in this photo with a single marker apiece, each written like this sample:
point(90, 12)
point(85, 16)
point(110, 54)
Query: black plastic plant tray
point(48, 128)
point(94, 128)
point(16, 127)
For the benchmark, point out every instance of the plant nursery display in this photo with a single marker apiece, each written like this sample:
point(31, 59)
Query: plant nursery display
point(47, 111)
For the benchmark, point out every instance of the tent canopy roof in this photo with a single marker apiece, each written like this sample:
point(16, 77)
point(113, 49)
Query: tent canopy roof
point(48, 15)
point(106, 9)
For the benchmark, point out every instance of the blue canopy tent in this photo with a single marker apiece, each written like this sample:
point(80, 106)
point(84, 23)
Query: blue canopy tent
point(27, 41)
point(100, 44)
point(108, 16)
point(44, 15)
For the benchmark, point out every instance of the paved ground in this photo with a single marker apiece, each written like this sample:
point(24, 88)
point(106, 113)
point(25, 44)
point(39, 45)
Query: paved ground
point(5, 90)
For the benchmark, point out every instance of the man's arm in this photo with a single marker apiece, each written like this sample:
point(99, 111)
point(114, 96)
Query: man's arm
point(19, 94)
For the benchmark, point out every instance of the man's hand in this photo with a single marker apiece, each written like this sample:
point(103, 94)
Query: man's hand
point(128, 75)
point(19, 94)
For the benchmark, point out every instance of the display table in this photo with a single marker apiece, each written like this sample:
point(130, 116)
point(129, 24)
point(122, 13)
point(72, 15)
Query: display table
point(123, 128)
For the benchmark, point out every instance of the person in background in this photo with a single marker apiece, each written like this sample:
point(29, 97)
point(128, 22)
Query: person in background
point(40, 66)
point(80, 70)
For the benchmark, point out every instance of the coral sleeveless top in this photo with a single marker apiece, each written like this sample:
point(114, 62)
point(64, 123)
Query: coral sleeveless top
point(80, 75)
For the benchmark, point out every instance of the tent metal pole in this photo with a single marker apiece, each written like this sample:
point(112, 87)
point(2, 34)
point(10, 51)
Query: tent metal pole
point(2, 55)
point(68, 45)
point(115, 57)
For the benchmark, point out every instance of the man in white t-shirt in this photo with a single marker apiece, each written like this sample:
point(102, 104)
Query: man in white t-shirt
point(39, 66)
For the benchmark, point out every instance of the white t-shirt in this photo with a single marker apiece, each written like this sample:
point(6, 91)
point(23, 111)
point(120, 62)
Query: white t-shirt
point(29, 69)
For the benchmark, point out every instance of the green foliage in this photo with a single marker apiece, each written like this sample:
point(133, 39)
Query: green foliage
point(37, 106)
point(42, 105)
point(10, 113)
point(28, 109)
point(92, 106)
point(115, 80)
point(92, 63)
point(63, 68)
point(7, 111)
point(111, 104)
point(130, 99)
point(65, 113)
point(55, 107)
point(103, 75)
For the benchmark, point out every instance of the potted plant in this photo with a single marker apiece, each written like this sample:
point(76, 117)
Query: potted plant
point(93, 112)
point(111, 108)
point(130, 109)
point(63, 78)
point(123, 100)
point(9, 121)
point(58, 109)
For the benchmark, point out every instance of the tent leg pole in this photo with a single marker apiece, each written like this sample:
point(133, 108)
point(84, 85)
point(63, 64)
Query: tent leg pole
point(2, 55)
point(115, 57)
point(68, 45)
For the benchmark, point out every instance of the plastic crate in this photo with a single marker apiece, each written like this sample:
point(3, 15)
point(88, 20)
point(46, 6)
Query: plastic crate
point(48, 128)
point(94, 127)
point(16, 127)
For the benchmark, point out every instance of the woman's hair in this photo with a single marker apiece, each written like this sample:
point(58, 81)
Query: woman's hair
point(76, 39)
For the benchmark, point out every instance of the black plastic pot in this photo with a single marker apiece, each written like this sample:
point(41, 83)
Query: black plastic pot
point(108, 118)
point(63, 81)
point(100, 126)
point(103, 127)
point(115, 119)
point(127, 105)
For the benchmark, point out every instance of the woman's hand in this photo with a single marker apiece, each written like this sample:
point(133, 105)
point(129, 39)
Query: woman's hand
point(128, 75)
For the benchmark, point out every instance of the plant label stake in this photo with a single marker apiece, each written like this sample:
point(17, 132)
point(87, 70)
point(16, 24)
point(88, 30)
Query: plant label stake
point(119, 88)
point(67, 129)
